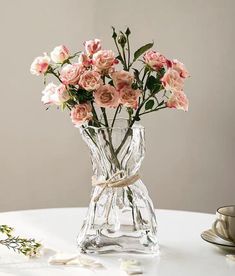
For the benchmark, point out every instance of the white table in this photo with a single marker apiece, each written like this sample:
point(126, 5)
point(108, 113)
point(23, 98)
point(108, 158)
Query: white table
point(183, 252)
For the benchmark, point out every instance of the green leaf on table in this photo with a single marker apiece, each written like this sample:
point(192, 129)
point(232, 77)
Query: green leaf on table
point(142, 50)
point(149, 104)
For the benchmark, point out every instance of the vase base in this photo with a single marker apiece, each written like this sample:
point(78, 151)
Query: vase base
point(103, 244)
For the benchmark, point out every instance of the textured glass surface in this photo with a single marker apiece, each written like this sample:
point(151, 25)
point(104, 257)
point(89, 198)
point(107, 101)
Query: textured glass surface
point(123, 218)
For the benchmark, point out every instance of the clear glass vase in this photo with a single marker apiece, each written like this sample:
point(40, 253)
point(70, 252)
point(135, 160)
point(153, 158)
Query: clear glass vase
point(120, 216)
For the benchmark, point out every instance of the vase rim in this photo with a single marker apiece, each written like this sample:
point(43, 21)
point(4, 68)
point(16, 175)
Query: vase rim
point(136, 125)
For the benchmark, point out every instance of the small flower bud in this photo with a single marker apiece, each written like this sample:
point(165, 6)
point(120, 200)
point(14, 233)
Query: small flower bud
point(122, 39)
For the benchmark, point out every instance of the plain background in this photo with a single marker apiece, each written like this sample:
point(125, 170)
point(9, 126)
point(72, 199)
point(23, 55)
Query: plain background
point(190, 157)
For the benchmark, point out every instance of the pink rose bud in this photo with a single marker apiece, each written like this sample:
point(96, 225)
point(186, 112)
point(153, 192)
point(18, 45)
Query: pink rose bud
point(90, 80)
point(122, 78)
point(178, 100)
point(60, 54)
point(180, 68)
point(81, 113)
point(106, 96)
point(84, 60)
point(104, 60)
point(71, 73)
point(92, 46)
point(40, 65)
point(155, 60)
point(172, 81)
point(129, 97)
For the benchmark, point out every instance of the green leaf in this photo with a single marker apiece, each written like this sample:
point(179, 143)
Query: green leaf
point(119, 57)
point(137, 77)
point(134, 86)
point(111, 82)
point(149, 104)
point(151, 82)
point(71, 102)
point(130, 110)
point(161, 103)
point(142, 50)
point(63, 106)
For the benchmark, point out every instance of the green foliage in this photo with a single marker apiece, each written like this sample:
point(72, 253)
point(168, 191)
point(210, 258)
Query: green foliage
point(27, 247)
point(137, 77)
point(153, 84)
point(161, 103)
point(149, 104)
point(142, 50)
point(119, 58)
point(110, 82)
point(7, 230)
point(130, 111)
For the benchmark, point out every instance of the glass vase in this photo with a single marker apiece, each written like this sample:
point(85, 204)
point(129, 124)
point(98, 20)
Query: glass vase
point(120, 216)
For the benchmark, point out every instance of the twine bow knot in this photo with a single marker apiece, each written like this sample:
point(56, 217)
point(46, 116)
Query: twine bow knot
point(112, 182)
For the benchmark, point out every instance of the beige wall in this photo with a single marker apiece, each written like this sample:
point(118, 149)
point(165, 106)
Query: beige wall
point(190, 157)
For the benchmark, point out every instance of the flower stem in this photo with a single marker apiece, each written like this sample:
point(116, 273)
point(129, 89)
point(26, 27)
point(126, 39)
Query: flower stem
point(115, 115)
point(124, 57)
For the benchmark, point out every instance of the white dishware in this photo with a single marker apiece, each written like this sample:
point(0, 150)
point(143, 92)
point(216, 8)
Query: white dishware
point(224, 225)
point(211, 237)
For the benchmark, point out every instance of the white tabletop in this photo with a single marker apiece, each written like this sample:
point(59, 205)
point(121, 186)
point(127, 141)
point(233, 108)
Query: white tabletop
point(182, 251)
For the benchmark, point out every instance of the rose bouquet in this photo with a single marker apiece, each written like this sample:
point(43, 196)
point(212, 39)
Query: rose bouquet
point(97, 86)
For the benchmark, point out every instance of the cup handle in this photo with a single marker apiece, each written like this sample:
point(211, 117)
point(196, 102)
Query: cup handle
point(224, 227)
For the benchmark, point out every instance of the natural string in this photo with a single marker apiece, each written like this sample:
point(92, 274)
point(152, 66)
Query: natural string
point(113, 183)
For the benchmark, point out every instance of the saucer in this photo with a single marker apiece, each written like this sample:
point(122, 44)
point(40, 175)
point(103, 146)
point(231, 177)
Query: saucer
point(211, 237)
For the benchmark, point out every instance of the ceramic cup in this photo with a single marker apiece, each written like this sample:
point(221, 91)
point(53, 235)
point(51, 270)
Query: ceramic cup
point(224, 225)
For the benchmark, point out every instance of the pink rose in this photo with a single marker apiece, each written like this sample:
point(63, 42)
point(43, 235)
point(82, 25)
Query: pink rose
point(92, 46)
point(90, 80)
point(48, 93)
point(129, 97)
point(106, 96)
point(70, 74)
point(104, 60)
point(53, 94)
point(61, 95)
point(172, 81)
point(59, 54)
point(122, 78)
point(155, 60)
point(81, 113)
point(84, 60)
point(180, 68)
point(40, 65)
point(178, 100)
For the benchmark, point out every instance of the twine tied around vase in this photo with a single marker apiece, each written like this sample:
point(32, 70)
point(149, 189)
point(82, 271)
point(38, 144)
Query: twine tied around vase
point(114, 183)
